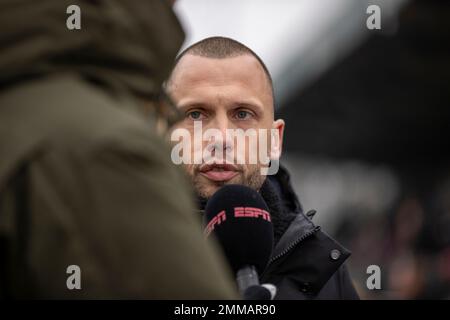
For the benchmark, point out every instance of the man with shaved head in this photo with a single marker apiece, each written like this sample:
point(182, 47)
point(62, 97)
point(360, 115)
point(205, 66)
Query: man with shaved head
point(220, 84)
point(224, 85)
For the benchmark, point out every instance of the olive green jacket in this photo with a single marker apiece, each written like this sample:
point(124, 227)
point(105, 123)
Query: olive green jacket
point(84, 179)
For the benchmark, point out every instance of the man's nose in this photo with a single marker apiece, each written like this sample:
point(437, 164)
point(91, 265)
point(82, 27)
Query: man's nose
point(222, 124)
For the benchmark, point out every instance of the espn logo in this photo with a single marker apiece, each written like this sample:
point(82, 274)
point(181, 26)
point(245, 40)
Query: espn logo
point(249, 212)
point(239, 212)
point(218, 219)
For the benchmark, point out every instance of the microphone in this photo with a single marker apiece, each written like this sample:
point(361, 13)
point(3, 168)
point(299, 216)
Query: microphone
point(260, 292)
point(240, 220)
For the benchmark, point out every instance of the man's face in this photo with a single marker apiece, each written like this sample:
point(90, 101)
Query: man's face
point(221, 94)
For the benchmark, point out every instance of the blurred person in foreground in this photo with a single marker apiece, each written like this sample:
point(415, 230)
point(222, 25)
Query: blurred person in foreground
point(222, 85)
point(84, 178)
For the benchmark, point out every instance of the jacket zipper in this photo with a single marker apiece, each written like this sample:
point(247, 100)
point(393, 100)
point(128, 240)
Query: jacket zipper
point(293, 244)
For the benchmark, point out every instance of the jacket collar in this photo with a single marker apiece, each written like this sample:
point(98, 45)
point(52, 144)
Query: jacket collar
point(281, 182)
point(288, 218)
point(310, 251)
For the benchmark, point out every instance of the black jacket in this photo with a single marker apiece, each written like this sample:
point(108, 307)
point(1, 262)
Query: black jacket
point(306, 263)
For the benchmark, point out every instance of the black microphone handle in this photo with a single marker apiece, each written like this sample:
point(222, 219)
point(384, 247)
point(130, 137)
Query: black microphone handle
point(246, 277)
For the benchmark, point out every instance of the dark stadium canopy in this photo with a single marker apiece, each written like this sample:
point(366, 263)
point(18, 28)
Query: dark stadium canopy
point(387, 101)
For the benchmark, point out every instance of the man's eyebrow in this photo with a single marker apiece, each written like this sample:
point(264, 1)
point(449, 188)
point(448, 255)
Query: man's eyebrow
point(192, 104)
point(250, 105)
point(183, 106)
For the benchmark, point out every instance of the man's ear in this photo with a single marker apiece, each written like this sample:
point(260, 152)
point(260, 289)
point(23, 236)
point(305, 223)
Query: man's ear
point(276, 138)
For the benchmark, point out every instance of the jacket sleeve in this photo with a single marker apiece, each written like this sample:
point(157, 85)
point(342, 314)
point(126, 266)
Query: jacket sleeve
point(347, 290)
point(122, 213)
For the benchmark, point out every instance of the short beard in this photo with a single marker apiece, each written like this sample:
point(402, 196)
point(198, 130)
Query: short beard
point(252, 179)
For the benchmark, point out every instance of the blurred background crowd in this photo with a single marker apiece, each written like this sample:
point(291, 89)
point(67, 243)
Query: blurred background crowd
point(367, 115)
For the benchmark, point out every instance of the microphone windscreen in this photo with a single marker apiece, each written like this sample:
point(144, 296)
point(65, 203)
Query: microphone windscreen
point(239, 218)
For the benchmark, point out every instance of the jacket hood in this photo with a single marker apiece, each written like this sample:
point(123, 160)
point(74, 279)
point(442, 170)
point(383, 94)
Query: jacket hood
point(122, 45)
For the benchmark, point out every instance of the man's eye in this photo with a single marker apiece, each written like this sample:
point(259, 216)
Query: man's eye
point(243, 115)
point(194, 115)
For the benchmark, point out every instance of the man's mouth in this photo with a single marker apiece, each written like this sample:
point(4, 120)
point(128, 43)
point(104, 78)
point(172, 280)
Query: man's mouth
point(219, 172)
